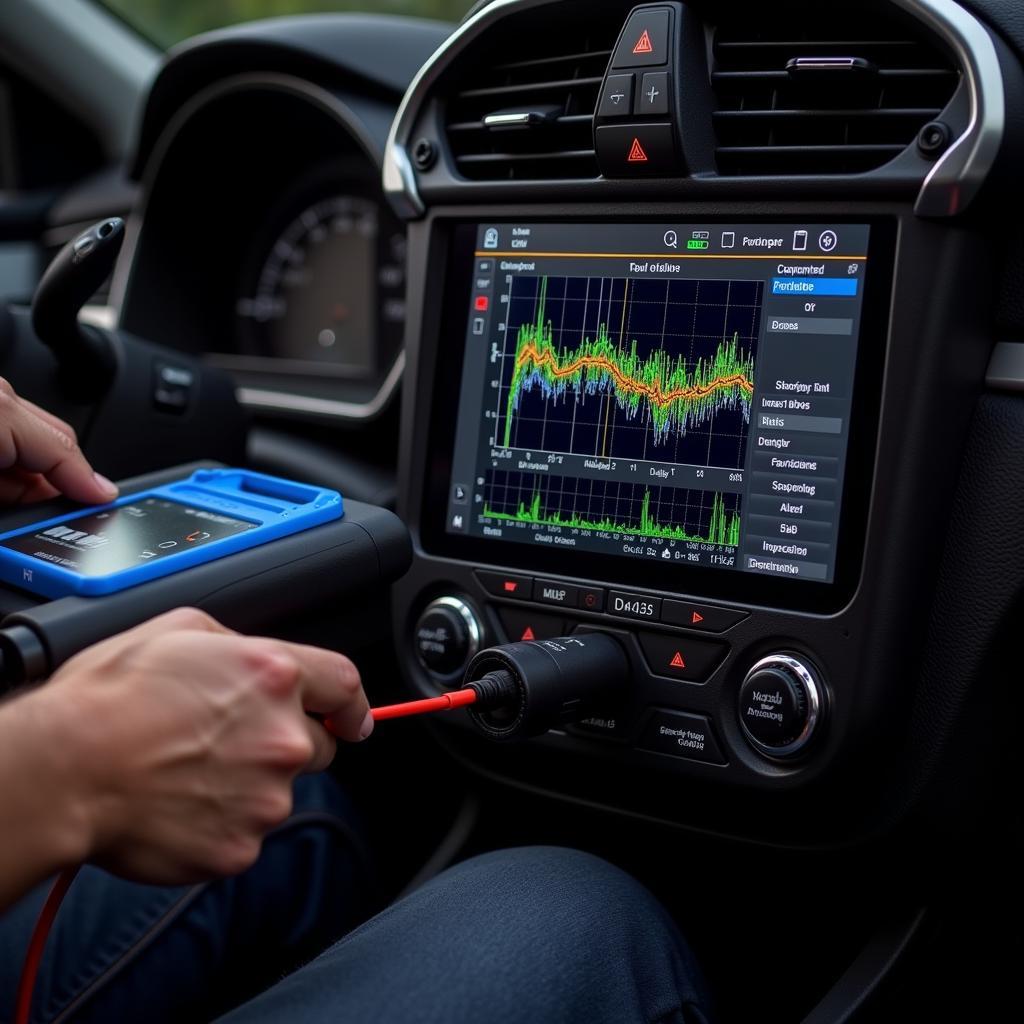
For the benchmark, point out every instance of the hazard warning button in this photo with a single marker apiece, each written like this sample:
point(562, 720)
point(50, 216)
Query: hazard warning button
point(644, 42)
point(530, 625)
point(631, 150)
point(681, 657)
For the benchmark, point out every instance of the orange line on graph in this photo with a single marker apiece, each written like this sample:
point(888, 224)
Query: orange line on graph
point(653, 392)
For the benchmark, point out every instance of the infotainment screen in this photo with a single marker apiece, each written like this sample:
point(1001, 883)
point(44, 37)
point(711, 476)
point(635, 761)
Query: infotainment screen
point(679, 393)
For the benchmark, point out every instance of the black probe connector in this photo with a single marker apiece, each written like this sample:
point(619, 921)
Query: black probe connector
point(524, 689)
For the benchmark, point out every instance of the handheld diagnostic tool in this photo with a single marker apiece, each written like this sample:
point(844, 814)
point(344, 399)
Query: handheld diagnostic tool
point(161, 531)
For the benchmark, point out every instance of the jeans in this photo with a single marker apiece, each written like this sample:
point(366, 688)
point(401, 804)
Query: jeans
point(537, 934)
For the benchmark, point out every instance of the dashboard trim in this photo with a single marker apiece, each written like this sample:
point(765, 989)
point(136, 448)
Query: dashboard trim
point(945, 192)
point(1006, 367)
point(960, 172)
point(283, 401)
point(338, 110)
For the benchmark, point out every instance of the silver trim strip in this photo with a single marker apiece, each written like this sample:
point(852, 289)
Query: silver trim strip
point(960, 172)
point(948, 188)
point(284, 401)
point(328, 103)
point(1006, 367)
point(815, 705)
point(473, 629)
point(398, 177)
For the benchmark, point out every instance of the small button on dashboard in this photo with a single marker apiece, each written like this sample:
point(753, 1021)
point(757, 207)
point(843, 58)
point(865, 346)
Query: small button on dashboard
point(552, 592)
point(634, 606)
point(644, 41)
point(653, 95)
point(700, 616)
point(616, 96)
point(681, 735)
point(634, 150)
point(526, 624)
point(681, 657)
point(506, 584)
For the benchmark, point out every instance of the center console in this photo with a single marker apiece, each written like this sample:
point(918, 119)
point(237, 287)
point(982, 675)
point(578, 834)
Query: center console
point(714, 421)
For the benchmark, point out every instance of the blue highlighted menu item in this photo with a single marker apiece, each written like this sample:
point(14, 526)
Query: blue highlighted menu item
point(814, 286)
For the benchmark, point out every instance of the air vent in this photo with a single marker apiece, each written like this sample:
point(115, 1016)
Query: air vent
point(532, 116)
point(821, 90)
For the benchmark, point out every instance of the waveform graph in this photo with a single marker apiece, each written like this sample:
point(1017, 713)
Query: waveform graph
point(630, 368)
point(613, 507)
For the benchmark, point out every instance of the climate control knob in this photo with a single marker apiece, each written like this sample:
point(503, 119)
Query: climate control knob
point(781, 705)
point(447, 635)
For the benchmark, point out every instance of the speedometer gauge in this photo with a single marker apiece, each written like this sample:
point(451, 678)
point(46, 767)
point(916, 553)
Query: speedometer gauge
point(327, 284)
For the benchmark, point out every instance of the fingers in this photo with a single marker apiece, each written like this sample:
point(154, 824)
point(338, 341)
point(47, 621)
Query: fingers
point(329, 685)
point(44, 414)
point(324, 746)
point(18, 487)
point(44, 445)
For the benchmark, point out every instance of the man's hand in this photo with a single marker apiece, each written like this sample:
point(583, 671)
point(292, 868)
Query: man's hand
point(40, 457)
point(178, 742)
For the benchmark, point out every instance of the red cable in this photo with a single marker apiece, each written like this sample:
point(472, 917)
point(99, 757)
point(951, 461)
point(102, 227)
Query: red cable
point(447, 701)
point(34, 955)
point(27, 984)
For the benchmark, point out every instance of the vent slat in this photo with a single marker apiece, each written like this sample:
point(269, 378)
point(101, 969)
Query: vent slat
point(507, 90)
point(561, 53)
point(500, 158)
point(594, 55)
point(927, 113)
point(769, 120)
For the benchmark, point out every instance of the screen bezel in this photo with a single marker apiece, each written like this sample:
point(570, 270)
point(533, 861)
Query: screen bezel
point(722, 584)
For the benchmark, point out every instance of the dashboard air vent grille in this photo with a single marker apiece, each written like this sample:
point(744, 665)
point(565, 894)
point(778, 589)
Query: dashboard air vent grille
point(532, 116)
point(822, 89)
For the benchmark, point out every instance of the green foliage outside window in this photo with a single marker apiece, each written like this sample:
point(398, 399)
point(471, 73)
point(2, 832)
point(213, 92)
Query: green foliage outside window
point(166, 22)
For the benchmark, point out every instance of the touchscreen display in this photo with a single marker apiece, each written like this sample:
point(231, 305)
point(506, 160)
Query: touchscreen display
point(678, 392)
point(120, 538)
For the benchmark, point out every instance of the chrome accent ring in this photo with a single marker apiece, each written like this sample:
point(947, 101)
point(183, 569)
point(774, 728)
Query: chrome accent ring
point(815, 704)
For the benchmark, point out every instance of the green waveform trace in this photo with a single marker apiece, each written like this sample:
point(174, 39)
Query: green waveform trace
point(673, 394)
point(724, 528)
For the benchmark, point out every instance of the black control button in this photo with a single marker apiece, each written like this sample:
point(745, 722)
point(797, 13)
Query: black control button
point(551, 592)
point(681, 657)
point(446, 636)
point(780, 705)
point(506, 584)
point(526, 624)
point(700, 616)
point(634, 606)
point(653, 95)
point(616, 96)
point(681, 735)
point(634, 150)
point(591, 599)
point(172, 387)
point(608, 726)
point(644, 41)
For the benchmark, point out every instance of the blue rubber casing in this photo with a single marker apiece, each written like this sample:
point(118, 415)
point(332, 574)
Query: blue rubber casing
point(276, 508)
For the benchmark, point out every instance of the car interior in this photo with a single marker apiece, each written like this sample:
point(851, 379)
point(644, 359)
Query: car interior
point(555, 296)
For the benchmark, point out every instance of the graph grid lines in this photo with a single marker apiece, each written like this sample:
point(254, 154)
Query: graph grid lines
point(614, 507)
point(629, 368)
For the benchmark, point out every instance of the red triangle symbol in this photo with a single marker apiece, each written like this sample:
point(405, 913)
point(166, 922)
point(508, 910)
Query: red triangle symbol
point(636, 153)
point(697, 617)
point(528, 634)
point(643, 44)
point(677, 661)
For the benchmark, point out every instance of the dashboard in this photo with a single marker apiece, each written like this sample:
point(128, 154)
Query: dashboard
point(682, 321)
point(322, 290)
point(699, 309)
point(260, 161)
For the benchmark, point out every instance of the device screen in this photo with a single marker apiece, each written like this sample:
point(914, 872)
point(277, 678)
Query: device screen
point(654, 391)
point(102, 543)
